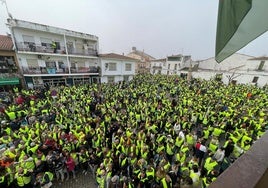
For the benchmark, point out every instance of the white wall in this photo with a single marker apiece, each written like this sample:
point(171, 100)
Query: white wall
point(232, 62)
point(238, 65)
point(241, 78)
point(120, 67)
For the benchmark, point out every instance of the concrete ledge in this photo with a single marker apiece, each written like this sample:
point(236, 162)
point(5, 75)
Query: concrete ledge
point(250, 170)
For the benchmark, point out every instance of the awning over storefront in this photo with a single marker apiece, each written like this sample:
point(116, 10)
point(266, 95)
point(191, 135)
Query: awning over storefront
point(9, 81)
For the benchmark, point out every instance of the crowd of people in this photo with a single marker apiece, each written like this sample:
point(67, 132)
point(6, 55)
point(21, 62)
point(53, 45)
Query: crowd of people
point(153, 131)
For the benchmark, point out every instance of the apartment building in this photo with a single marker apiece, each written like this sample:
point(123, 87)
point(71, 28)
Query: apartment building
point(54, 56)
point(9, 71)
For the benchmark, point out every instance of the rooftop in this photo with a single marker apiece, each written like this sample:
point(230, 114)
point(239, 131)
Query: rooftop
point(116, 56)
point(141, 53)
point(6, 43)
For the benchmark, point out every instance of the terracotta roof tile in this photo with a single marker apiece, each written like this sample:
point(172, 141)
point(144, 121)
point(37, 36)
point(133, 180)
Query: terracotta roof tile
point(6, 43)
point(116, 56)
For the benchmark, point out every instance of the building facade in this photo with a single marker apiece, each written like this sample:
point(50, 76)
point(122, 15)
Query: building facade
point(170, 65)
point(9, 72)
point(237, 69)
point(54, 56)
point(144, 60)
point(116, 68)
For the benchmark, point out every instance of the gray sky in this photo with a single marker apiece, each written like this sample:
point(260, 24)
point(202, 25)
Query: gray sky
point(159, 27)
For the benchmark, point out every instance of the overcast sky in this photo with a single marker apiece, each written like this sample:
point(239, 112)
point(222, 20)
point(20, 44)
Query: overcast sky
point(159, 27)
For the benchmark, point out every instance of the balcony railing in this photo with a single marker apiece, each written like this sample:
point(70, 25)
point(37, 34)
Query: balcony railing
point(32, 47)
point(90, 69)
point(37, 48)
point(90, 52)
point(47, 70)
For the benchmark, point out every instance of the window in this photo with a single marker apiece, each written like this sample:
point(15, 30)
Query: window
point(51, 67)
point(29, 42)
point(168, 66)
point(261, 65)
point(110, 79)
point(46, 42)
point(126, 78)
point(112, 66)
point(218, 77)
point(175, 67)
point(57, 45)
point(128, 67)
point(50, 64)
point(234, 82)
point(33, 66)
point(28, 39)
point(255, 79)
point(174, 58)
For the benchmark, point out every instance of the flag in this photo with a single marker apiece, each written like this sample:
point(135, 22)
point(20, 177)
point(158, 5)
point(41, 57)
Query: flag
point(239, 22)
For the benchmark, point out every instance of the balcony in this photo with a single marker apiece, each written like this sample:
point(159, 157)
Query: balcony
point(47, 70)
point(32, 47)
point(90, 69)
point(83, 52)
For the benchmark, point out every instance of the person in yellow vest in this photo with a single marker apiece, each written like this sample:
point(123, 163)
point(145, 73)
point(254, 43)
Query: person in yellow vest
point(195, 175)
point(190, 141)
point(166, 182)
point(101, 179)
point(23, 178)
point(3, 177)
point(44, 180)
point(54, 46)
point(210, 163)
point(206, 181)
point(213, 144)
point(143, 180)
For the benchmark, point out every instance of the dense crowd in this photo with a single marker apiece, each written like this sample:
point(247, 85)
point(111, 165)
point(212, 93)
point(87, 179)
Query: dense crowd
point(153, 131)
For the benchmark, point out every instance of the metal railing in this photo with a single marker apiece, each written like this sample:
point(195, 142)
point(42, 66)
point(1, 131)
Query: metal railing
point(47, 70)
point(33, 47)
point(36, 48)
point(87, 52)
point(90, 69)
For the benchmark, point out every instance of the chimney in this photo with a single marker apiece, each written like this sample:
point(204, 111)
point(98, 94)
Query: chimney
point(134, 49)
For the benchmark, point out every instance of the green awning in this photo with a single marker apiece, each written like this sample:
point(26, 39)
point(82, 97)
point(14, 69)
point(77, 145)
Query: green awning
point(9, 81)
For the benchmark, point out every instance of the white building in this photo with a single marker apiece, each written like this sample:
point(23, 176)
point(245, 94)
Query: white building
point(236, 69)
point(115, 68)
point(53, 55)
point(170, 65)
